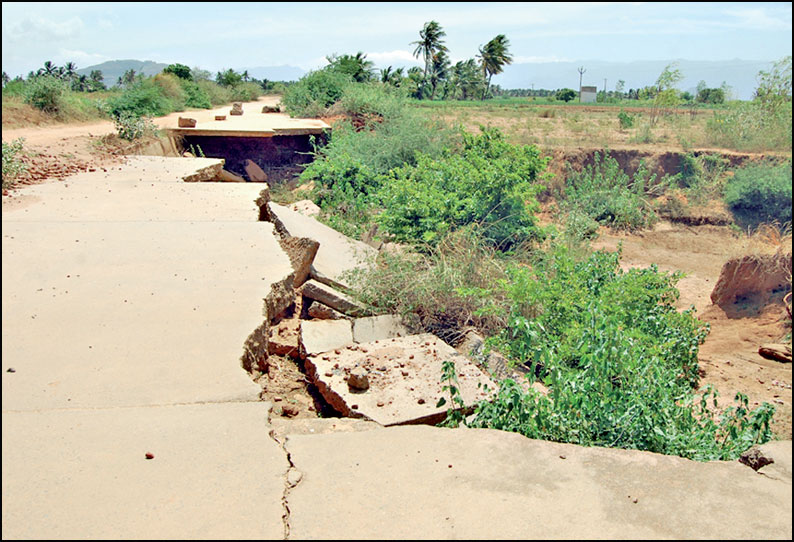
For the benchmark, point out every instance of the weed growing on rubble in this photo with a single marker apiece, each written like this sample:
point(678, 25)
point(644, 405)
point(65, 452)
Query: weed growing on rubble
point(13, 166)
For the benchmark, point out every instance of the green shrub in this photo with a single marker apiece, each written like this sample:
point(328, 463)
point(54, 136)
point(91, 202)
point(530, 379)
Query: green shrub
point(619, 359)
point(45, 93)
point(349, 169)
point(13, 166)
point(246, 92)
point(195, 96)
point(314, 93)
point(131, 126)
point(373, 101)
point(605, 193)
point(490, 183)
point(142, 99)
point(217, 94)
point(626, 121)
point(761, 193)
point(171, 87)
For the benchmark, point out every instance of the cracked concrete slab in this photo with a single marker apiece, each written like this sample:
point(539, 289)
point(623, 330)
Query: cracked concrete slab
point(404, 379)
point(337, 253)
point(420, 482)
point(83, 474)
point(321, 335)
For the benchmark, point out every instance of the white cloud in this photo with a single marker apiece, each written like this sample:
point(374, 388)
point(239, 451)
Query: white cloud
point(757, 18)
point(393, 57)
point(81, 58)
point(539, 59)
point(38, 29)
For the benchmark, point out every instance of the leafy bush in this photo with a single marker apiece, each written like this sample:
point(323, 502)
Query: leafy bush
point(762, 193)
point(171, 87)
point(144, 98)
point(45, 93)
point(565, 94)
point(349, 169)
point(13, 166)
point(314, 93)
point(195, 95)
point(626, 121)
point(131, 126)
point(373, 101)
point(619, 359)
point(490, 183)
point(246, 92)
point(217, 94)
point(605, 193)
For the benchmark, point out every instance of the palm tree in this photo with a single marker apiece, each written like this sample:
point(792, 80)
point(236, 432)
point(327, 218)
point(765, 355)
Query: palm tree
point(245, 76)
point(356, 66)
point(70, 70)
point(493, 57)
point(48, 69)
point(439, 71)
point(429, 45)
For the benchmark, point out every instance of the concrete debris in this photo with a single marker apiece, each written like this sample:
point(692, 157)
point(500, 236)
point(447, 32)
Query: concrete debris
point(237, 109)
point(337, 255)
point(209, 172)
point(284, 338)
point(229, 177)
point(254, 172)
point(280, 298)
point(404, 375)
point(184, 122)
point(375, 328)
point(271, 109)
point(357, 379)
point(323, 335)
point(332, 298)
point(301, 252)
point(318, 311)
point(755, 459)
point(220, 117)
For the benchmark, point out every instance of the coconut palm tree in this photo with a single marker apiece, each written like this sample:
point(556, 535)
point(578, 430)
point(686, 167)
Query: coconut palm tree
point(439, 71)
point(70, 70)
point(429, 44)
point(245, 76)
point(493, 57)
point(48, 69)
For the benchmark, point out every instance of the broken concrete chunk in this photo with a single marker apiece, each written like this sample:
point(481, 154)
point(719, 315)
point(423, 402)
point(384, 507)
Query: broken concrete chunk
point(237, 109)
point(357, 380)
point(301, 252)
point(209, 169)
point(332, 298)
point(271, 109)
point(280, 298)
point(323, 335)
point(401, 371)
point(318, 311)
point(184, 122)
point(220, 117)
point(254, 172)
point(284, 338)
point(229, 177)
point(375, 328)
point(338, 253)
point(776, 352)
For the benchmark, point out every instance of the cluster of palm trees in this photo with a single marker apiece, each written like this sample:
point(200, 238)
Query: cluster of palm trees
point(466, 77)
point(68, 73)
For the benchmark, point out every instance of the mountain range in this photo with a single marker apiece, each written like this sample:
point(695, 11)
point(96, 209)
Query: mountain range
point(740, 75)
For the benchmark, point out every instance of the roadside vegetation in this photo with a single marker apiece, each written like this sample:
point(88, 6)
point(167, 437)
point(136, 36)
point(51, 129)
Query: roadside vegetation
point(411, 163)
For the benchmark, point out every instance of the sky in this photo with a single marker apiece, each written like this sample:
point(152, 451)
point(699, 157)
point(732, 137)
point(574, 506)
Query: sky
point(215, 36)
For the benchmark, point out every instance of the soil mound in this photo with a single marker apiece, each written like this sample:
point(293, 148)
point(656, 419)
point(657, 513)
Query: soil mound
point(750, 282)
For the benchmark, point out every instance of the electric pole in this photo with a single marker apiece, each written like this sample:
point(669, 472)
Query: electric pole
point(581, 71)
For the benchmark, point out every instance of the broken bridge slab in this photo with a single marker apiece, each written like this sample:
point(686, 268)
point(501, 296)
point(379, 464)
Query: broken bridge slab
point(337, 254)
point(404, 376)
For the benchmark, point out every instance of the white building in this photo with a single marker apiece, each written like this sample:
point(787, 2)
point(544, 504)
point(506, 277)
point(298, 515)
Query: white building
point(588, 95)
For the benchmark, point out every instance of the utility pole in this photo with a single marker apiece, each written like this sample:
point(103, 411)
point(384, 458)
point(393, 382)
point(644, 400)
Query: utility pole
point(581, 71)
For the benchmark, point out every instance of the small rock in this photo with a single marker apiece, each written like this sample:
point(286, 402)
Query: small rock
point(380, 403)
point(289, 411)
point(358, 379)
point(11, 370)
point(149, 455)
point(755, 459)
point(421, 401)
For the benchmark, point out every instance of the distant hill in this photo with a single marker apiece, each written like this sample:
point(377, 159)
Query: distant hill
point(275, 73)
point(739, 74)
point(113, 69)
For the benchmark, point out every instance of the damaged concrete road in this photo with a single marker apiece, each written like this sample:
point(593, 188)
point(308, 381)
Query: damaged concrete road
point(127, 296)
point(420, 482)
